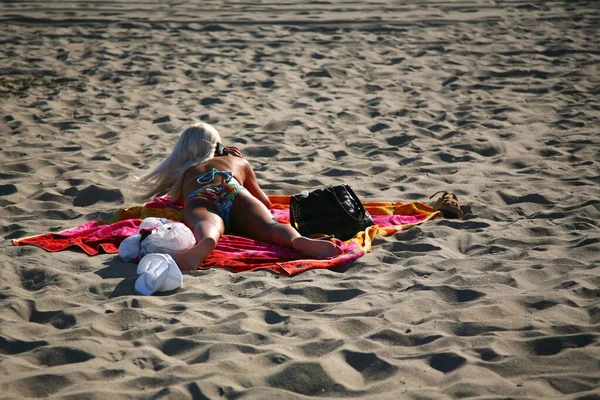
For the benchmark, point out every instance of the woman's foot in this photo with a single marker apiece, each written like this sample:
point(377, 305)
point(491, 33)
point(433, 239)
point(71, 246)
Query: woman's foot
point(194, 256)
point(316, 248)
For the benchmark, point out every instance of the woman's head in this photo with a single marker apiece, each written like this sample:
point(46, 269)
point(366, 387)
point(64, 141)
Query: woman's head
point(197, 142)
point(196, 145)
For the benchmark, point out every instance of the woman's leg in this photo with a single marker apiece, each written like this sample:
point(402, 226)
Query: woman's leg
point(208, 227)
point(253, 219)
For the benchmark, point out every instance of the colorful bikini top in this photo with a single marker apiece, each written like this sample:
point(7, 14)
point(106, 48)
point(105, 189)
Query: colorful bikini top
point(207, 177)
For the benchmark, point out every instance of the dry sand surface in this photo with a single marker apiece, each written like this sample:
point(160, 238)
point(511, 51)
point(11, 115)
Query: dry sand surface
point(498, 101)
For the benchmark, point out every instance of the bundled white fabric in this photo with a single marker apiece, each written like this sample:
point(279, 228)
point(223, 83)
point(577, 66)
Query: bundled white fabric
point(166, 236)
point(129, 249)
point(158, 273)
point(171, 238)
point(152, 223)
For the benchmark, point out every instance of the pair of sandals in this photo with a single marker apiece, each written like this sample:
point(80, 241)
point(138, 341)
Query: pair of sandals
point(448, 205)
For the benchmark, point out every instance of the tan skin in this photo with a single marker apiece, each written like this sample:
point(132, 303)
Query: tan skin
point(250, 215)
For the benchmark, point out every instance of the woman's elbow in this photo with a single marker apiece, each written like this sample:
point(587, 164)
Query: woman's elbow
point(267, 202)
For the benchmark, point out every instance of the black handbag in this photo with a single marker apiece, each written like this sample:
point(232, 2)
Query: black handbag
point(334, 211)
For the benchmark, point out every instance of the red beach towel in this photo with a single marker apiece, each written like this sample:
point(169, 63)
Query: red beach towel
point(236, 253)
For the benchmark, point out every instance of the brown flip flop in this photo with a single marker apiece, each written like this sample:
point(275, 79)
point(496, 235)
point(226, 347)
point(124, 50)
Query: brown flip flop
point(448, 205)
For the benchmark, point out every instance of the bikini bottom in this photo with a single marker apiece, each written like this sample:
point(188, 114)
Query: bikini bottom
point(222, 195)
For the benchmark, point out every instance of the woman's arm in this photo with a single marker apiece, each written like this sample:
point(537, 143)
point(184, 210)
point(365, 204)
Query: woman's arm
point(251, 184)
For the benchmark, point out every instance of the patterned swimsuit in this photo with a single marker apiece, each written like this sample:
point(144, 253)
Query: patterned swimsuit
point(222, 195)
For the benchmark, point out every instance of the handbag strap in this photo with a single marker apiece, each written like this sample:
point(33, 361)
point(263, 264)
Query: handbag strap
point(357, 203)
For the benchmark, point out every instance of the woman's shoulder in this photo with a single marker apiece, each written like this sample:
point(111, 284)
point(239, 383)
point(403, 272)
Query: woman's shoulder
point(227, 163)
point(236, 165)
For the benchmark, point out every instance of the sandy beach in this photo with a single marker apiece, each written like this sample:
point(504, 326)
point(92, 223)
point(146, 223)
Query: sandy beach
point(497, 101)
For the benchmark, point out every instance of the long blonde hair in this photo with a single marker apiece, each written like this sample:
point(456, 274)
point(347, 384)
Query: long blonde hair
point(196, 145)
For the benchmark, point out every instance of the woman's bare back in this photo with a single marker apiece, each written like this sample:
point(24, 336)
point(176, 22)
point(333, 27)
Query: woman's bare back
point(240, 169)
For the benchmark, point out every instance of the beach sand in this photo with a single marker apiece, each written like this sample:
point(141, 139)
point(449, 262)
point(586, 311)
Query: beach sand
point(496, 101)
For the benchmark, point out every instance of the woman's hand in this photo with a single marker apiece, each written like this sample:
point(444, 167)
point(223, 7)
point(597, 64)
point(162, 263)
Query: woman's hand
point(233, 151)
